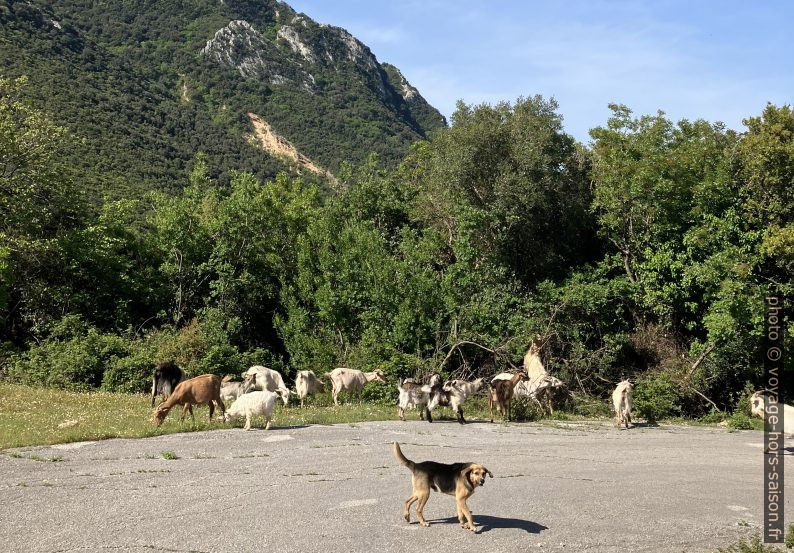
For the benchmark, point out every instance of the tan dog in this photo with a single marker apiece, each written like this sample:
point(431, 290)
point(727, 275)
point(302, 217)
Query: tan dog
point(458, 479)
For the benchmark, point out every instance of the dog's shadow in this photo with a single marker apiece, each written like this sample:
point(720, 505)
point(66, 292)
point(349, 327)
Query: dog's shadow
point(485, 523)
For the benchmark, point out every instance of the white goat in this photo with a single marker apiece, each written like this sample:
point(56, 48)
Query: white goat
point(757, 404)
point(306, 382)
point(351, 380)
point(253, 404)
point(535, 389)
point(533, 366)
point(621, 401)
point(265, 379)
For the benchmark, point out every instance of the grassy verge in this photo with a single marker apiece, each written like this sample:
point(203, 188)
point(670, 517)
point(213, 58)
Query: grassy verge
point(756, 545)
point(40, 416)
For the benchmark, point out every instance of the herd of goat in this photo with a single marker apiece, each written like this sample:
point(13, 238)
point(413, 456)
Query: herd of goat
point(261, 387)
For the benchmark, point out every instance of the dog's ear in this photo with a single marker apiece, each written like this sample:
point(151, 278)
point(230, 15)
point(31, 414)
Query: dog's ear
point(467, 473)
point(488, 472)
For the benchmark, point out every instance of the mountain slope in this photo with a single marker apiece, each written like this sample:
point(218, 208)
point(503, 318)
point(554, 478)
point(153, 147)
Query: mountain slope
point(145, 85)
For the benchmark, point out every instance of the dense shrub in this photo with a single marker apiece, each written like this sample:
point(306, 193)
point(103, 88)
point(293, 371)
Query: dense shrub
point(655, 398)
point(73, 357)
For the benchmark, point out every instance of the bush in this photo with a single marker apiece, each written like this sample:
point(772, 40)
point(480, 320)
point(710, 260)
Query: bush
point(130, 374)
point(73, 357)
point(524, 409)
point(713, 416)
point(655, 398)
point(585, 406)
point(743, 403)
point(740, 421)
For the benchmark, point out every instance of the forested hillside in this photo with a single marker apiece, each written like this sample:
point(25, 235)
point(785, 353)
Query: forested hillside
point(143, 86)
point(646, 253)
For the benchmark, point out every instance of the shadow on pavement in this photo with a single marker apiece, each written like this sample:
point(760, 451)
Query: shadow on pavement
point(485, 523)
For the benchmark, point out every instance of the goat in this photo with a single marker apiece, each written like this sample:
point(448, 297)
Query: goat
point(500, 392)
point(758, 403)
point(306, 382)
point(254, 404)
point(264, 379)
point(201, 390)
point(165, 378)
point(621, 401)
point(351, 380)
point(468, 388)
point(446, 395)
point(543, 386)
point(230, 390)
point(533, 366)
point(412, 394)
point(535, 388)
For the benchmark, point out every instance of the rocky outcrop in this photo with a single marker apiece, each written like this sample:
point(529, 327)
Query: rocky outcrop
point(242, 47)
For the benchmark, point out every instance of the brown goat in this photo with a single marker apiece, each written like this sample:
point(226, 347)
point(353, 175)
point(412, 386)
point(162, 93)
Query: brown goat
point(201, 390)
point(500, 393)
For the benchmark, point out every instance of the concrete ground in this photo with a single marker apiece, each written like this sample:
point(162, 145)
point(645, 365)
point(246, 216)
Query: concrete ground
point(557, 487)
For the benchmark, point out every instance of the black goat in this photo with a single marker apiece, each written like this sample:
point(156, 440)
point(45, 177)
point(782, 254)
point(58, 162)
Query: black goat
point(165, 378)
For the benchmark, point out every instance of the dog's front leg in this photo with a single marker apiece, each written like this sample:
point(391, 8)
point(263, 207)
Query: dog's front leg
point(465, 510)
point(461, 516)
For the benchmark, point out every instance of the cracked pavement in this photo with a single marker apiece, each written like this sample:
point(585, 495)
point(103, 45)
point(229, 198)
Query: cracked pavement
point(557, 487)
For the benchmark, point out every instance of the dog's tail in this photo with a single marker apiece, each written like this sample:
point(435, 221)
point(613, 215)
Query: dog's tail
point(398, 454)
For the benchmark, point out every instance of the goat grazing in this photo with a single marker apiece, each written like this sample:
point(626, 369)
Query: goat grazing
point(500, 393)
point(231, 390)
point(412, 394)
point(201, 390)
point(621, 401)
point(351, 380)
point(264, 379)
point(165, 378)
point(306, 382)
point(254, 404)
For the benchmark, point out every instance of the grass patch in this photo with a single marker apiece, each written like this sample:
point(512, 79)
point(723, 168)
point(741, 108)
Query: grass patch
point(756, 545)
point(753, 545)
point(35, 416)
point(169, 455)
point(31, 416)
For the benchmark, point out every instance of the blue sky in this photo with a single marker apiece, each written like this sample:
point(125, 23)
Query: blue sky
point(716, 60)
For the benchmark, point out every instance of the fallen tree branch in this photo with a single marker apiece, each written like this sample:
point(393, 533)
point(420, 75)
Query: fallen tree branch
point(699, 360)
point(707, 399)
point(499, 351)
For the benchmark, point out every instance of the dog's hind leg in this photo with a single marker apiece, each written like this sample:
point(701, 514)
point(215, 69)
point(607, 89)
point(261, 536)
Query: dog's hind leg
point(407, 508)
point(423, 497)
